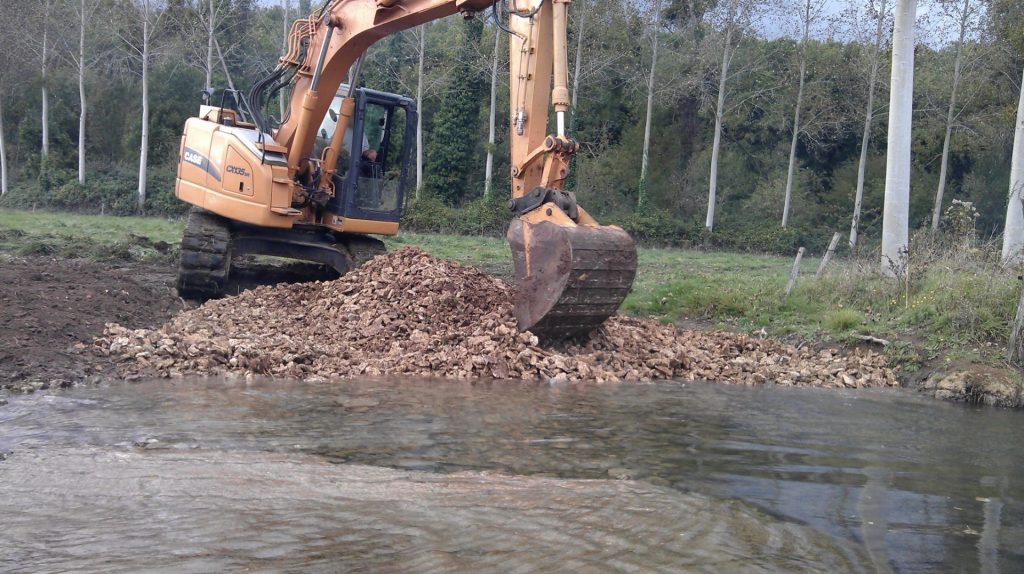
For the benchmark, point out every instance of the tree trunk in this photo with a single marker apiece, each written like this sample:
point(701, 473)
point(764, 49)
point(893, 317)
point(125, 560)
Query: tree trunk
point(81, 94)
point(957, 62)
point(286, 4)
point(570, 180)
point(896, 210)
point(876, 56)
point(211, 25)
point(3, 151)
point(709, 222)
point(796, 115)
point(489, 167)
point(641, 201)
point(144, 145)
point(1013, 235)
point(45, 95)
point(419, 107)
point(576, 68)
point(862, 166)
point(224, 65)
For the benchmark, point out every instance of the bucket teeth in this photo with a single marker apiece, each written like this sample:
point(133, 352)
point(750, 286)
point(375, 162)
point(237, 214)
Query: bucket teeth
point(570, 277)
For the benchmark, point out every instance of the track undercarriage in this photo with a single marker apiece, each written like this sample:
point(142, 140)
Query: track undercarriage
point(212, 246)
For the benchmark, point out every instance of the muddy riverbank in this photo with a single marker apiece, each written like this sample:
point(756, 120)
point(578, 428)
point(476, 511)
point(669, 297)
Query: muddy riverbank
point(48, 306)
point(407, 313)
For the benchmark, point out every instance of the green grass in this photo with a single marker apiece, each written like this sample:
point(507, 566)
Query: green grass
point(674, 283)
point(102, 238)
point(844, 320)
point(488, 253)
point(97, 228)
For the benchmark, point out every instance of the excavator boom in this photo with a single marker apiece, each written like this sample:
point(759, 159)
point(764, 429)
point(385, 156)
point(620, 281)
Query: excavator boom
point(572, 272)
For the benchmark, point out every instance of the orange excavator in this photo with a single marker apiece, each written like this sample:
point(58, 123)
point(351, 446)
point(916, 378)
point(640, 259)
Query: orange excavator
point(302, 190)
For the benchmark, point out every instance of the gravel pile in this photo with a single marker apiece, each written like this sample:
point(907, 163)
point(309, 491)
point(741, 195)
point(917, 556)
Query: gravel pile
point(407, 313)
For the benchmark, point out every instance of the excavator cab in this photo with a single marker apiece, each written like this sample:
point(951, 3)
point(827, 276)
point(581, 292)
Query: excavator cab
point(227, 170)
point(370, 176)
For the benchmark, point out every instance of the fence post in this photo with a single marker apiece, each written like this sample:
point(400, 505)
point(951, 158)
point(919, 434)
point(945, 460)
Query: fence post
point(828, 255)
point(794, 272)
point(1015, 350)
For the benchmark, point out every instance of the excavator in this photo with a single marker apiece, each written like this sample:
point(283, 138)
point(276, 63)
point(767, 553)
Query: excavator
point(332, 173)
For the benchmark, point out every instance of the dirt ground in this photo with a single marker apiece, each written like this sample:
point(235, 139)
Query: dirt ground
point(47, 305)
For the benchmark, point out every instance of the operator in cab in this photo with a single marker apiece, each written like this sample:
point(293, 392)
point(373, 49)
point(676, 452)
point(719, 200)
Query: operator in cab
point(326, 132)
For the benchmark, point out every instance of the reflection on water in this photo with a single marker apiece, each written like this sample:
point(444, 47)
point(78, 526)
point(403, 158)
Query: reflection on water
point(212, 512)
point(890, 481)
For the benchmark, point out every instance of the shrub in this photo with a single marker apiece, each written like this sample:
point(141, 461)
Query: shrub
point(110, 192)
point(956, 294)
point(482, 216)
point(769, 237)
point(659, 228)
point(844, 320)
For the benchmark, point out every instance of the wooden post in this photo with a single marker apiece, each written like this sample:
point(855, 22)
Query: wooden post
point(828, 254)
point(794, 272)
point(1014, 351)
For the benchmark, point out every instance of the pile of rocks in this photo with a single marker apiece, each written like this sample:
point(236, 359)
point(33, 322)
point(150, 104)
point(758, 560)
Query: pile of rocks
point(407, 313)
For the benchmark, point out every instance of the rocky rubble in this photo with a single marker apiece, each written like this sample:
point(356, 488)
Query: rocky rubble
point(407, 313)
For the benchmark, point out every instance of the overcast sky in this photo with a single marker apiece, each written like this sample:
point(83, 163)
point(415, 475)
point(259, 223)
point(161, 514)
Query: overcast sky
point(789, 23)
point(776, 26)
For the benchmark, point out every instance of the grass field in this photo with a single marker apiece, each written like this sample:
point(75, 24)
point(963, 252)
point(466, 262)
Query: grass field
point(953, 308)
point(103, 238)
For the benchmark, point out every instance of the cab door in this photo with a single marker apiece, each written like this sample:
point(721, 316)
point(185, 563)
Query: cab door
point(377, 164)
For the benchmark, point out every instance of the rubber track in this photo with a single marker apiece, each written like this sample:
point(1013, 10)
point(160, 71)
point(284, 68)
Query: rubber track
point(205, 256)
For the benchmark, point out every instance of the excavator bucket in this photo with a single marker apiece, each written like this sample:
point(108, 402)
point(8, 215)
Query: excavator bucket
point(570, 277)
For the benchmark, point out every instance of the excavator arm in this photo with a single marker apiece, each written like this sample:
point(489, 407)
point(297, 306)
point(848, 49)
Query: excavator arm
point(572, 273)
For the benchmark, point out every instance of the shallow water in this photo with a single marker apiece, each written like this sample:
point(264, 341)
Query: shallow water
point(448, 476)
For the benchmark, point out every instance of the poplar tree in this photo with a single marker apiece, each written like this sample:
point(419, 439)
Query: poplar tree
point(896, 214)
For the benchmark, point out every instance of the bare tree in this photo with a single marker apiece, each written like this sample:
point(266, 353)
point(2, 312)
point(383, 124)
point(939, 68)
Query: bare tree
point(423, 78)
point(879, 11)
point(896, 210)
point(81, 60)
point(421, 34)
point(6, 76)
point(656, 17)
point(734, 18)
point(965, 13)
point(45, 8)
point(148, 15)
point(1013, 234)
point(580, 34)
point(3, 147)
point(591, 62)
point(810, 12)
point(596, 54)
point(286, 22)
point(144, 140)
point(211, 20)
point(489, 166)
point(199, 26)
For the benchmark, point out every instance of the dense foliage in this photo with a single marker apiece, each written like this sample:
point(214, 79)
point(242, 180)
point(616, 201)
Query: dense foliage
point(614, 40)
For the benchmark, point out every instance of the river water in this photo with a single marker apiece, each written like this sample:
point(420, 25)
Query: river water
point(433, 476)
